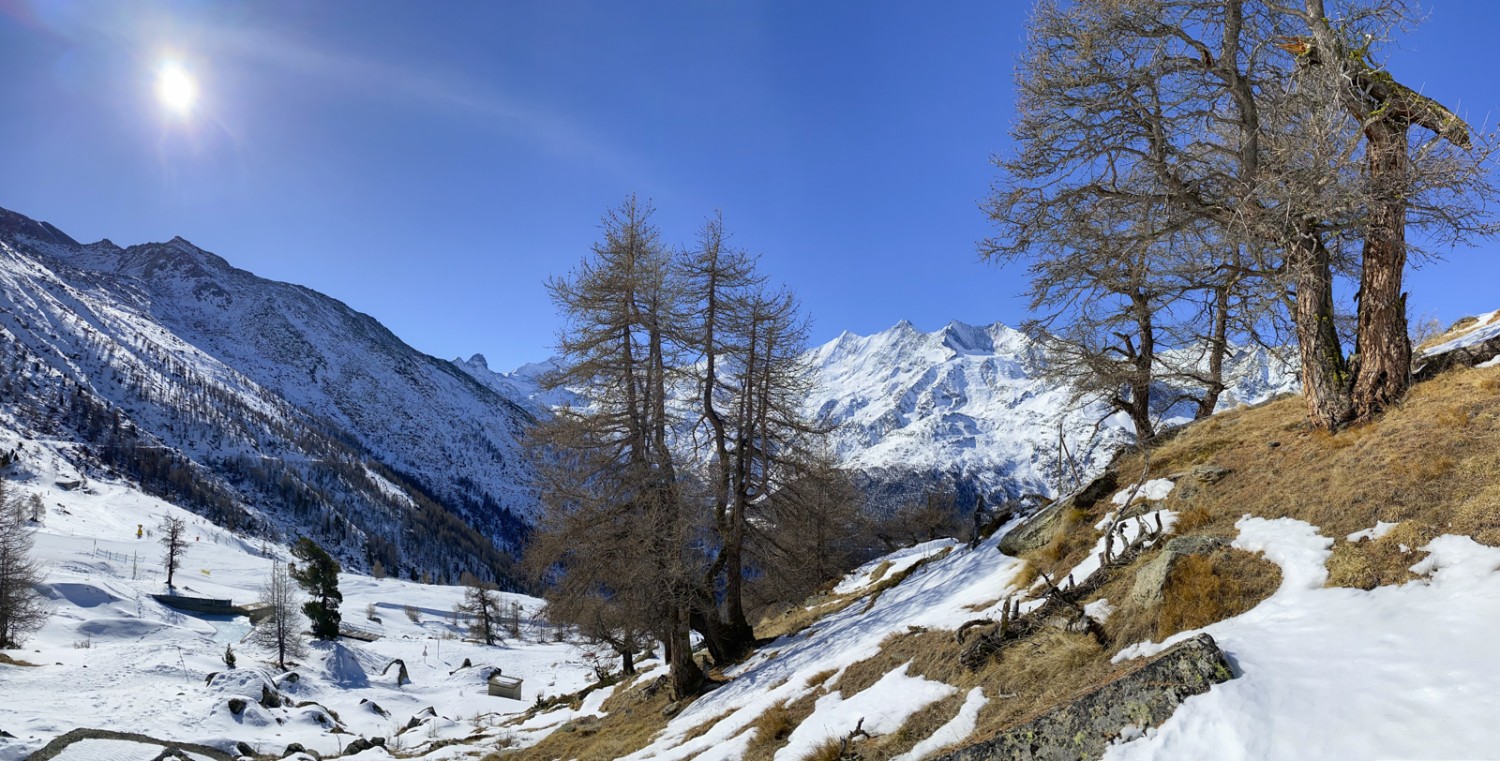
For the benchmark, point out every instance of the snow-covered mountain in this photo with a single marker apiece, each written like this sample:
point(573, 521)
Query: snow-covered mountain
point(961, 409)
point(257, 402)
point(964, 408)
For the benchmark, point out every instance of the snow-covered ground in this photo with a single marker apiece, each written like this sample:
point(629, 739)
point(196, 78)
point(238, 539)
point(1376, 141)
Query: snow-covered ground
point(111, 657)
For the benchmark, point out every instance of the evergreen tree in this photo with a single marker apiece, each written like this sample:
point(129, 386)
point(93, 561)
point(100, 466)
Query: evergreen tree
point(319, 575)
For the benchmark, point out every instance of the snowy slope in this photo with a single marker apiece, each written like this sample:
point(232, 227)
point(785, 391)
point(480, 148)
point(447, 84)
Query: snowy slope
point(128, 663)
point(246, 379)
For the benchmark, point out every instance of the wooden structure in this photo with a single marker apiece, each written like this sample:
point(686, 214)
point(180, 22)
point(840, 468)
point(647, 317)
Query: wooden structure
point(505, 686)
point(205, 605)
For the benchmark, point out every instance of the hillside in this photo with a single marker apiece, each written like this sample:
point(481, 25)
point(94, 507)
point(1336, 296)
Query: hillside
point(1350, 581)
point(263, 405)
point(111, 657)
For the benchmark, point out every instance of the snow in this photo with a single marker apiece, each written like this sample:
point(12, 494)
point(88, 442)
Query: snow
point(1154, 490)
point(1129, 529)
point(883, 708)
point(942, 594)
point(1403, 671)
point(117, 750)
point(1380, 529)
point(131, 664)
point(959, 727)
point(894, 564)
point(1485, 327)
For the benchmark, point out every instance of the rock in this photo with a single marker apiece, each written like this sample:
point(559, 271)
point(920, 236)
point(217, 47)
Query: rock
point(1208, 473)
point(237, 705)
point(360, 745)
point(671, 709)
point(374, 707)
point(1037, 530)
point(294, 748)
point(378, 742)
point(244, 749)
point(1152, 577)
point(269, 698)
point(1142, 698)
point(1479, 352)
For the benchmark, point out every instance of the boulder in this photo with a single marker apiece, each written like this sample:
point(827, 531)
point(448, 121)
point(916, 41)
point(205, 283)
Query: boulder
point(1037, 530)
point(1152, 577)
point(1208, 473)
point(1140, 699)
point(1473, 353)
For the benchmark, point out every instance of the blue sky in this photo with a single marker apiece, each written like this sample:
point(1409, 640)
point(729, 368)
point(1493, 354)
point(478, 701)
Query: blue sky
point(431, 164)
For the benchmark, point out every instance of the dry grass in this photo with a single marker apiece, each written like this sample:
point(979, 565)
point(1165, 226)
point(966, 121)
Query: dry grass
point(633, 718)
point(1432, 461)
point(829, 750)
point(773, 727)
point(1203, 589)
point(1368, 563)
point(9, 661)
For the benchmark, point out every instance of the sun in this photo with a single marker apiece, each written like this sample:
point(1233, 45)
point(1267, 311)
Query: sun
point(175, 88)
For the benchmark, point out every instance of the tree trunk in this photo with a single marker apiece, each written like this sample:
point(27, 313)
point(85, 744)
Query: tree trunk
point(686, 676)
point(1218, 346)
point(1382, 346)
point(1325, 376)
point(627, 662)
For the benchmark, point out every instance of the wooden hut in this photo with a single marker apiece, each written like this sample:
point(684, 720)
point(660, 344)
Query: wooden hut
point(505, 686)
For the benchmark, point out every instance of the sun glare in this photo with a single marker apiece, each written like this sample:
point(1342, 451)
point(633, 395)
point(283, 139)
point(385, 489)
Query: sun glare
point(175, 88)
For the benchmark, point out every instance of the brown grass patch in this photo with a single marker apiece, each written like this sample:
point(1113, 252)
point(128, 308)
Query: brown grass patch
point(1370, 563)
point(1204, 589)
point(1190, 519)
point(1433, 460)
point(633, 719)
point(9, 661)
point(776, 724)
point(828, 750)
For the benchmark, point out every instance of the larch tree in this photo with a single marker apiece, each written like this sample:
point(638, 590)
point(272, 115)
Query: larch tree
point(280, 628)
point(21, 608)
point(481, 604)
point(618, 349)
point(1190, 111)
point(174, 544)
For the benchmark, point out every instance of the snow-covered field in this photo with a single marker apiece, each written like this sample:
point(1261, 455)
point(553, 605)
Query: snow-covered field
point(111, 657)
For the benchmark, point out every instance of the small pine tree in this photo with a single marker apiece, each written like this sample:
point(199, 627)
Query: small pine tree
point(229, 658)
point(319, 575)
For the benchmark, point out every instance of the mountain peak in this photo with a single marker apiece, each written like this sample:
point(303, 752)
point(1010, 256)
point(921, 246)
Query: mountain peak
point(478, 360)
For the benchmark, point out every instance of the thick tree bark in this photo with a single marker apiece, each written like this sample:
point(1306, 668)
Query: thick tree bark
point(1382, 345)
point(1325, 375)
point(686, 676)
